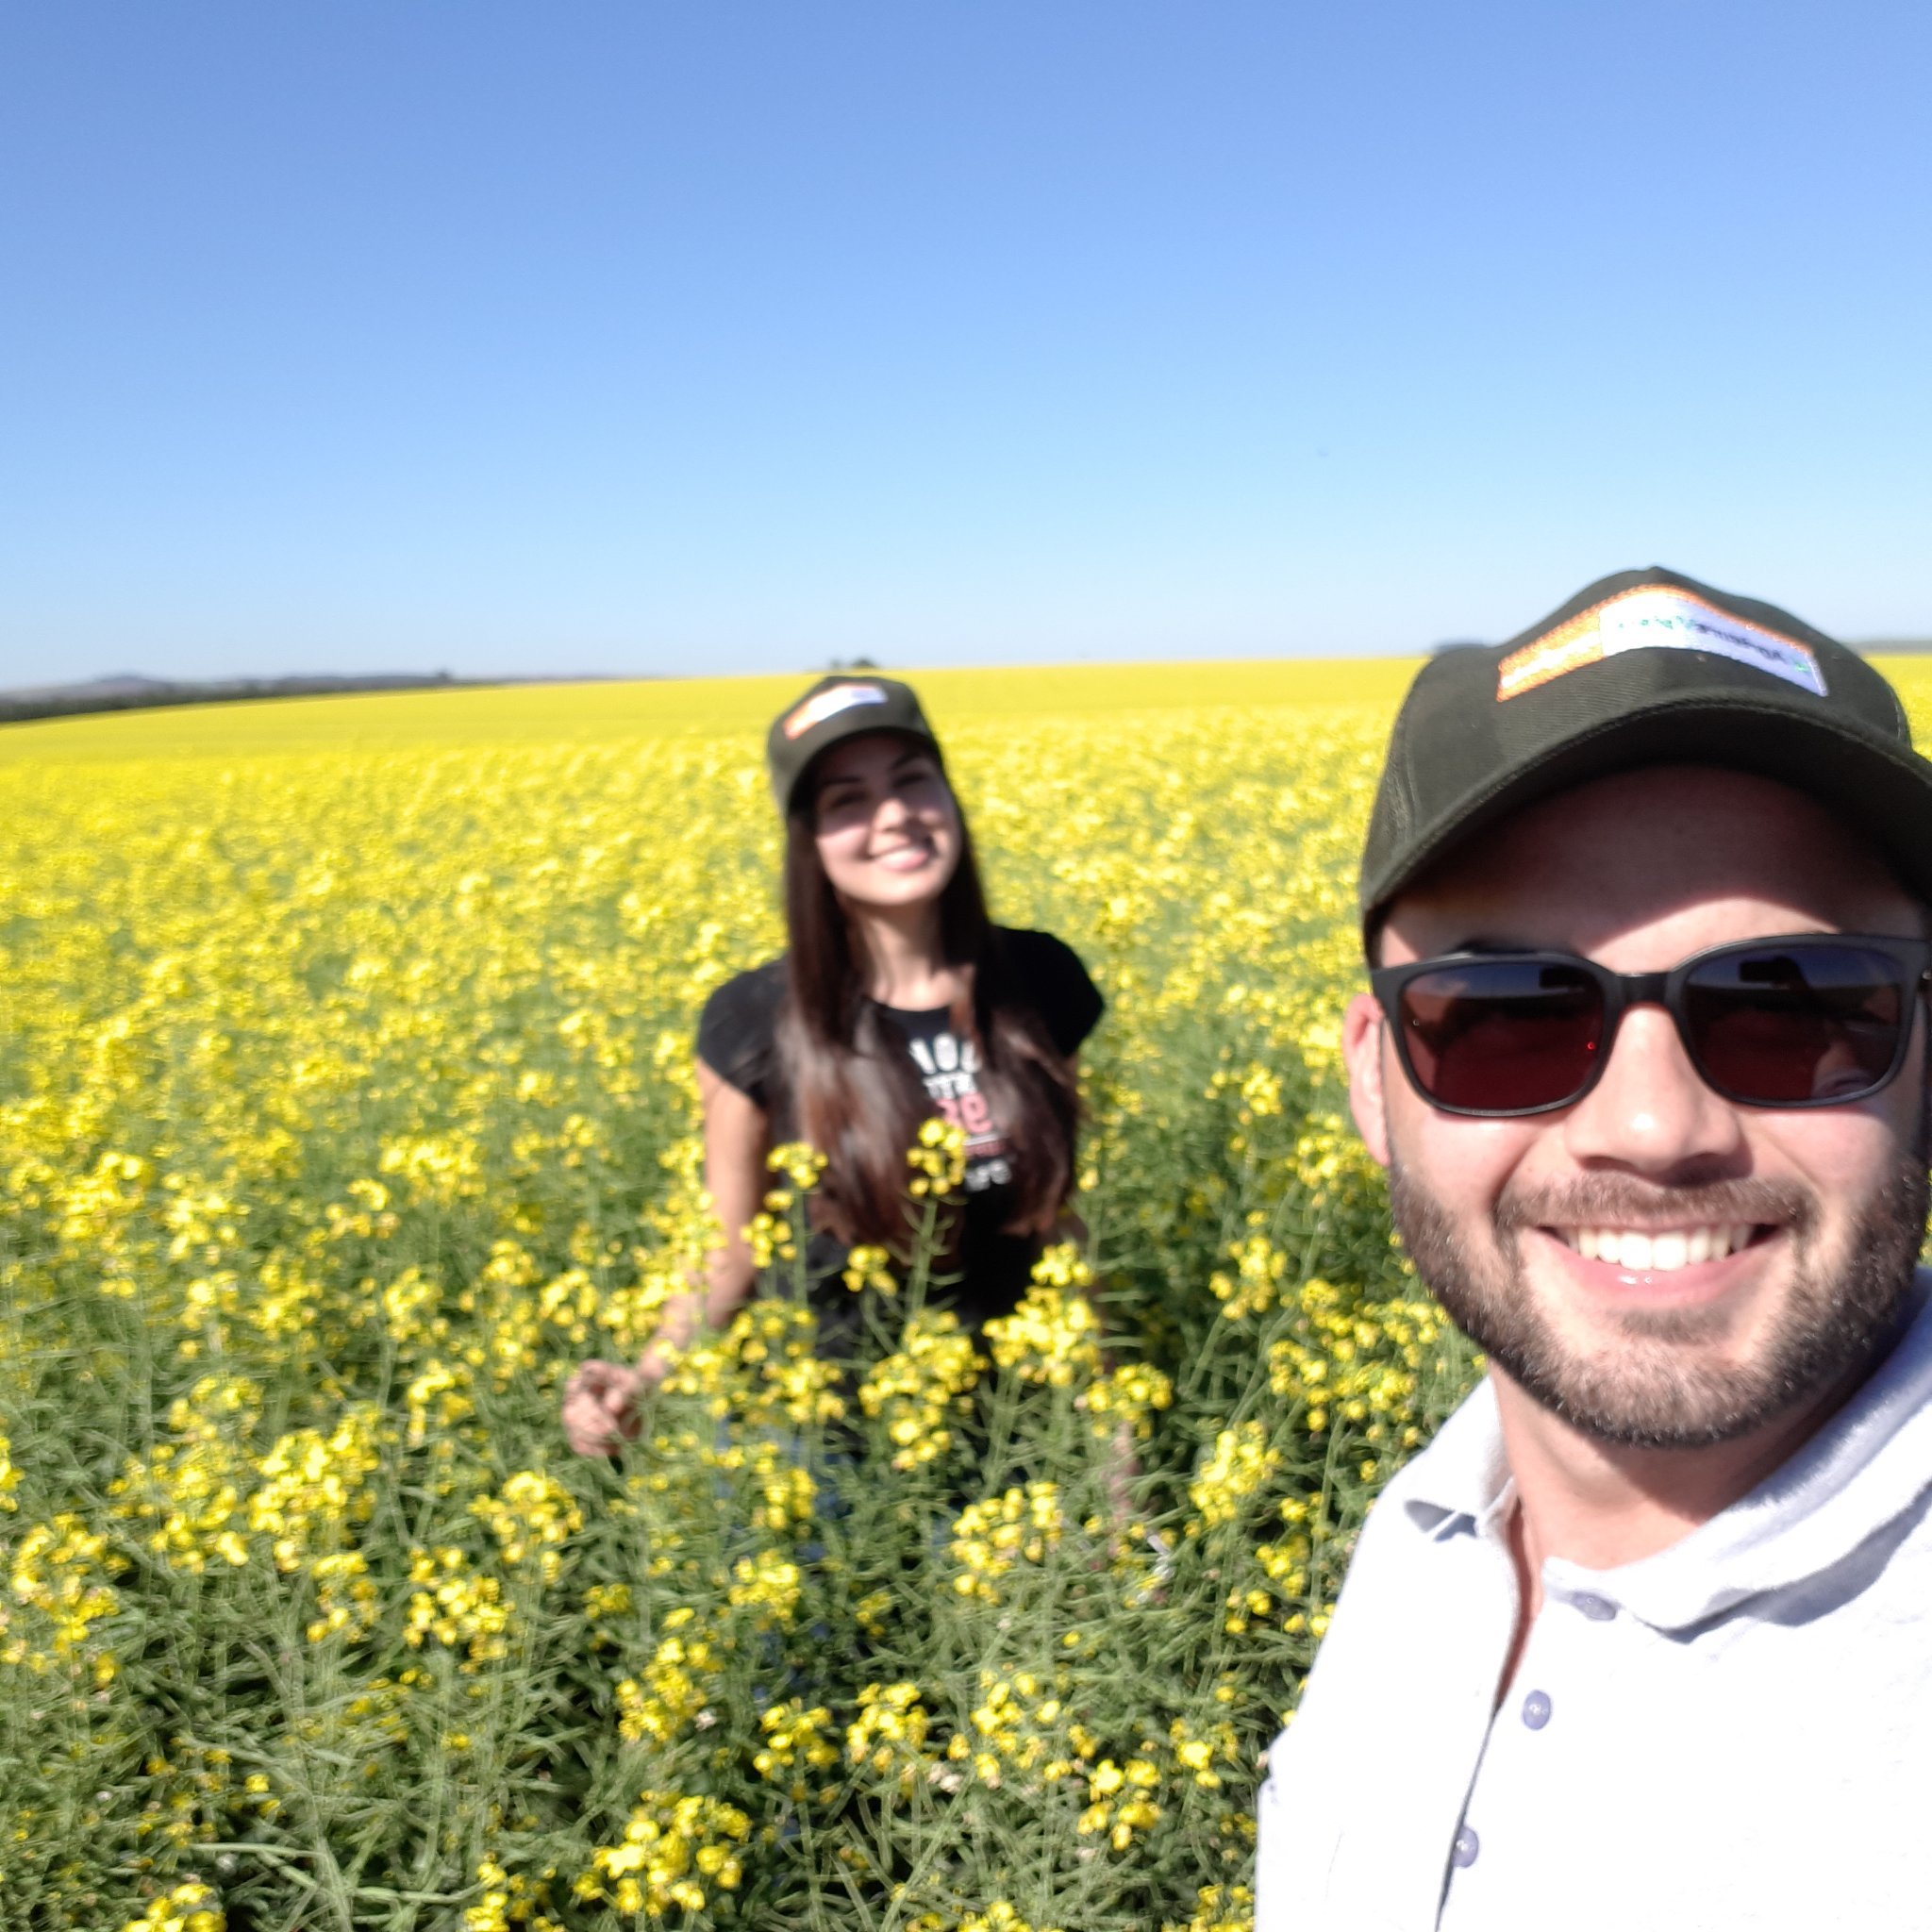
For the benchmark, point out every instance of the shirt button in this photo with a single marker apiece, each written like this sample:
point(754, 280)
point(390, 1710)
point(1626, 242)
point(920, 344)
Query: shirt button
point(1599, 1609)
point(1536, 1709)
point(1466, 1847)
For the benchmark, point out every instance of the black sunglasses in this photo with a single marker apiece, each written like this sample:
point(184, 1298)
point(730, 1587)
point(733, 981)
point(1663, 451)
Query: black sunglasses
point(1812, 1020)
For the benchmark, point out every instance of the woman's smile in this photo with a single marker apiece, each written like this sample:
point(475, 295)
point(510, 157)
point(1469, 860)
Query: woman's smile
point(909, 854)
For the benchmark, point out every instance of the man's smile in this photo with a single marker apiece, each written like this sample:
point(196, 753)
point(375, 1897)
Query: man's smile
point(1660, 1265)
point(1661, 1250)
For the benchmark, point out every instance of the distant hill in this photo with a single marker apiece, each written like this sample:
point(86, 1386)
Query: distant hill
point(129, 692)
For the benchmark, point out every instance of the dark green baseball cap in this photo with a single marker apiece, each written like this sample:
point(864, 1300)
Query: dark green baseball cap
point(1643, 668)
point(842, 706)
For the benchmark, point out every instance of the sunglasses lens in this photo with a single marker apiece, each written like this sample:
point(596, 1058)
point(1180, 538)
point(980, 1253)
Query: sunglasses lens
point(1796, 1022)
point(1502, 1036)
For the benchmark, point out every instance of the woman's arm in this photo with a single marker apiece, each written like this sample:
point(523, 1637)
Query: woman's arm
point(737, 1133)
point(600, 1400)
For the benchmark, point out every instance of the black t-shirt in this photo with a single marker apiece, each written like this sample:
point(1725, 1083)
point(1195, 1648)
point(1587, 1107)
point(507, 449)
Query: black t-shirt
point(738, 1040)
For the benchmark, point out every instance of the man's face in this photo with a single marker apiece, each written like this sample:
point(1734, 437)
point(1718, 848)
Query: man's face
point(1814, 1216)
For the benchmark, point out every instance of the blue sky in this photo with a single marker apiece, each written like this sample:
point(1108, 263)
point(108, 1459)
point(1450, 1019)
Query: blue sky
point(665, 338)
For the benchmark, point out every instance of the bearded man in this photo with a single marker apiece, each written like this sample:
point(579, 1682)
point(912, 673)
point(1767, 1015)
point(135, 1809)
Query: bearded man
point(1644, 1637)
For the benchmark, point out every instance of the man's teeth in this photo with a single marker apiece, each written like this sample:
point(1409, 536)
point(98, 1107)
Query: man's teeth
point(1658, 1253)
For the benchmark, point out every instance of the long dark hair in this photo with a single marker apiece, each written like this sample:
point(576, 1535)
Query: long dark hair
point(857, 1095)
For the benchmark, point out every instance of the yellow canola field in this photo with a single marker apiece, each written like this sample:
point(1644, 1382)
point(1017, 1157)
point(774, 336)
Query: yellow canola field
point(347, 1103)
point(694, 707)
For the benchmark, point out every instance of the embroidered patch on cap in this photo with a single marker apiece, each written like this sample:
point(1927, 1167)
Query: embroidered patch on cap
point(829, 703)
point(1655, 619)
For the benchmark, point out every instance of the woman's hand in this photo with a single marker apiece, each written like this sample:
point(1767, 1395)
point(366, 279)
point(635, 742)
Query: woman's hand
point(601, 1400)
point(600, 1404)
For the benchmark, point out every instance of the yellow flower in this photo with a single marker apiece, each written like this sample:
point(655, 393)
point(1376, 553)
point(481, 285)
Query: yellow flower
point(768, 1585)
point(188, 1907)
point(678, 1683)
point(795, 1740)
point(1241, 1464)
point(531, 1515)
point(802, 1165)
point(917, 1391)
point(869, 1267)
point(1219, 1908)
point(1128, 1397)
point(889, 1735)
point(314, 1487)
point(1000, 1916)
point(60, 1569)
point(673, 1846)
point(989, 1540)
point(938, 1160)
point(1053, 1336)
point(456, 1607)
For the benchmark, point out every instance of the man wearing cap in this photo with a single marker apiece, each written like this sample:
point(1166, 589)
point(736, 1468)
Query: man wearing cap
point(1644, 1637)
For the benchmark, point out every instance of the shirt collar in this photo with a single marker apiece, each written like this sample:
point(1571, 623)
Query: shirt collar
point(1461, 1481)
point(1868, 1464)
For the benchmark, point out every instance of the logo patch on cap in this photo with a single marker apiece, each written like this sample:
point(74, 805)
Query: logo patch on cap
point(1655, 618)
point(829, 703)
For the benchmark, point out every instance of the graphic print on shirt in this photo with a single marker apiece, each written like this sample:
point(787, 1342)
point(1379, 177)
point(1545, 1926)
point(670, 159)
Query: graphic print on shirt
point(950, 1068)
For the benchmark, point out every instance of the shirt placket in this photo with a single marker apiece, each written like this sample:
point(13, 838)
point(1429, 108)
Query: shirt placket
point(1539, 1754)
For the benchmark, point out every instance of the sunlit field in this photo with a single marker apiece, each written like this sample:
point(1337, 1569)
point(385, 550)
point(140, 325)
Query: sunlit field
point(346, 1102)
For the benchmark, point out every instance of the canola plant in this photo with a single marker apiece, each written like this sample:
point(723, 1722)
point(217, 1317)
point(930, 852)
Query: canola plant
point(347, 1103)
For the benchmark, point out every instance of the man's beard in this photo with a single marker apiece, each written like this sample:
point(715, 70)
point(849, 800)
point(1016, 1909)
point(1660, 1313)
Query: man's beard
point(1648, 1384)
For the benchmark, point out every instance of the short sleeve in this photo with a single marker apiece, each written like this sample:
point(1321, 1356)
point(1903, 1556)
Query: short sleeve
point(738, 1031)
point(1047, 972)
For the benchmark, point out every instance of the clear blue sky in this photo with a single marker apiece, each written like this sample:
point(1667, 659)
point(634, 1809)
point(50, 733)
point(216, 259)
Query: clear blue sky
point(410, 334)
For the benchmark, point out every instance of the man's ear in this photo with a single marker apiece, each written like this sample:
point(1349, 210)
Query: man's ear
point(1361, 1049)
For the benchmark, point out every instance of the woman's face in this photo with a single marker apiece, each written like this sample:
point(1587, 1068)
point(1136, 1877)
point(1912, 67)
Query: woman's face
point(885, 822)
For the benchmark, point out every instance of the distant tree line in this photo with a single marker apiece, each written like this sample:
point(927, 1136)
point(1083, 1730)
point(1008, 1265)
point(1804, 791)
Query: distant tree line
point(149, 693)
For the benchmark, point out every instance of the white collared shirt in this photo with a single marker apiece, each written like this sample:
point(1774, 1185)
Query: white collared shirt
point(1734, 1735)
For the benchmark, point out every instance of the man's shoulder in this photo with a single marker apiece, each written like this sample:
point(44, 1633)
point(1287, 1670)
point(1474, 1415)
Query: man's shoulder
point(1407, 1555)
point(1412, 1653)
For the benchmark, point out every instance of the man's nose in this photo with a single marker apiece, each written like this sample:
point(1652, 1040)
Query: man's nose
point(1651, 1110)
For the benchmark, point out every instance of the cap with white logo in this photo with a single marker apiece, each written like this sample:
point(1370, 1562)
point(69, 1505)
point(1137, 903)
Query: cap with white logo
point(836, 707)
point(1643, 668)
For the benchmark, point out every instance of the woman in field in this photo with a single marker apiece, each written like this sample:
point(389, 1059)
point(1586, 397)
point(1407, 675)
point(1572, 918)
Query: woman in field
point(897, 1000)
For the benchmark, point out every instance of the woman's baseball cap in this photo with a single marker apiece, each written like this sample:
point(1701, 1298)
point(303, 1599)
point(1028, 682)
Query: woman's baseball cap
point(1643, 668)
point(842, 705)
